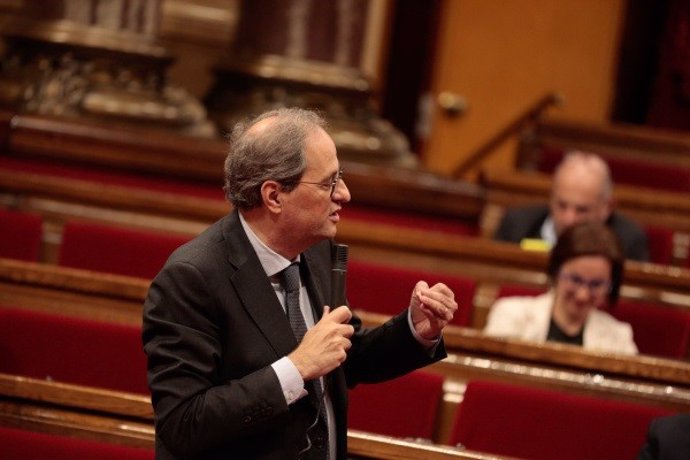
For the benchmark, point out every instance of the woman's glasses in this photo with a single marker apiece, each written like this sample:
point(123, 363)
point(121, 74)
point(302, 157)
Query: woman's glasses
point(597, 287)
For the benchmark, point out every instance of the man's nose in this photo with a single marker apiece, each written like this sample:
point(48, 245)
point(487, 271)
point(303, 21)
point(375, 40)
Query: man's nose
point(570, 217)
point(342, 193)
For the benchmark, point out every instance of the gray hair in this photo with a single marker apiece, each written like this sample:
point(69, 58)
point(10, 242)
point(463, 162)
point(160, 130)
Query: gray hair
point(594, 163)
point(277, 153)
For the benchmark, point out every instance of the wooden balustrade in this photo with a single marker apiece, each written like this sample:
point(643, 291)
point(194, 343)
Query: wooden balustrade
point(119, 299)
point(164, 154)
point(609, 139)
point(94, 413)
point(127, 419)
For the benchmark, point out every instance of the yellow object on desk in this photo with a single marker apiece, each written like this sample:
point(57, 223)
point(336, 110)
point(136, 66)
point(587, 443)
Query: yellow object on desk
point(535, 244)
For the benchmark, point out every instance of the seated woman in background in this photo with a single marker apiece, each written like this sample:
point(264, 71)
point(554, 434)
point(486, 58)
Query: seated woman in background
point(585, 271)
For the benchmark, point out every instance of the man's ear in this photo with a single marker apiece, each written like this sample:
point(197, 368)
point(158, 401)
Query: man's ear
point(270, 194)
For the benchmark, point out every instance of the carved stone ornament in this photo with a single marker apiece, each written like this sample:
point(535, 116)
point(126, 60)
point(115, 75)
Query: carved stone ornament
point(306, 53)
point(65, 68)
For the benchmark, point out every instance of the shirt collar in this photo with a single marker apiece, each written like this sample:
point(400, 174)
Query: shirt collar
point(272, 262)
point(548, 230)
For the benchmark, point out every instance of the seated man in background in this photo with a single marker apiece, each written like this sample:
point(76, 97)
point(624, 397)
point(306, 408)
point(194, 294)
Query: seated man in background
point(585, 270)
point(582, 191)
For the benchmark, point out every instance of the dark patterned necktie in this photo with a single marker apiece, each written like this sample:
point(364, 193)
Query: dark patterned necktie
point(294, 313)
point(318, 433)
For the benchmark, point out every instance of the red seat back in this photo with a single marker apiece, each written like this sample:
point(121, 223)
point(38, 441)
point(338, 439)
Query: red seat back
point(535, 423)
point(118, 250)
point(660, 242)
point(513, 290)
point(20, 444)
point(408, 219)
point(20, 235)
point(386, 289)
point(658, 330)
point(72, 350)
point(405, 407)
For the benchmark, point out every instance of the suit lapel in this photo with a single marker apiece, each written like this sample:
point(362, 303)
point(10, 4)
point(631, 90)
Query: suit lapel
point(255, 291)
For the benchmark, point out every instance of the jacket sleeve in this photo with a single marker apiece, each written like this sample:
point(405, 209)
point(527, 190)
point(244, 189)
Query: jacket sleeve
point(386, 352)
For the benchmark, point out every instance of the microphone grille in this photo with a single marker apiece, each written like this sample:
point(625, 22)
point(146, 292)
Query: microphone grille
point(340, 257)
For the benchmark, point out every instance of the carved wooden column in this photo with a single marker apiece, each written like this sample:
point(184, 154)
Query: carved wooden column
point(96, 59)
point(307, 53)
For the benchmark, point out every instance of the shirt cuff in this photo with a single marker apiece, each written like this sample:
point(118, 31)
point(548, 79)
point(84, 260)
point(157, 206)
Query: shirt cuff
point(291, 381)
point(427, 344)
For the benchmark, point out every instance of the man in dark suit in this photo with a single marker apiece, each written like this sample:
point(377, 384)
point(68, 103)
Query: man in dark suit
point(228, 377)
point(668, 438)
point(582, 190)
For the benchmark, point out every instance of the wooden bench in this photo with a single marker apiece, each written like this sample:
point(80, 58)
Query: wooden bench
point(370, 241)
point(174, 162)
point(119, 299)
point(123, 419)
point(611, 140)
point(530, 422)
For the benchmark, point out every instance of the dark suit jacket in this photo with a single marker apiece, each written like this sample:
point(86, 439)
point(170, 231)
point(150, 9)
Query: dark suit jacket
point(668, 438)
point(213, 325)
point(526, 222)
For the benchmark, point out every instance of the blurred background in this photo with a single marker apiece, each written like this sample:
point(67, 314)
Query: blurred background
point(423, 83)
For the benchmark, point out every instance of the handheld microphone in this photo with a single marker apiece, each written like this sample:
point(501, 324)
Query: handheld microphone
point(338, 273)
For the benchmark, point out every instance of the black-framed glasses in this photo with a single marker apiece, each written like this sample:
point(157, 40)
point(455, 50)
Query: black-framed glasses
point(596, 287)
point(332, 184)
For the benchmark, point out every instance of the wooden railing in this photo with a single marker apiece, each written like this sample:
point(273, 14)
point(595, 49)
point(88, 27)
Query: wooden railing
point(521, 123)
point(163, 154)
point(127, 419)
point(119, 299)
point(614, 139)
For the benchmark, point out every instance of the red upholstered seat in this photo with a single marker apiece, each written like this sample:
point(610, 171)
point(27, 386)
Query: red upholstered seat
point(660, 242)
point(535, 423)
point(658, 330)
point(20, 235)
point(20, 444)
point(386, 289)
point(512, 290)
point(119, 250)
point(71, 350)
point(409, 219)
point(104, 177)
point(405, 407)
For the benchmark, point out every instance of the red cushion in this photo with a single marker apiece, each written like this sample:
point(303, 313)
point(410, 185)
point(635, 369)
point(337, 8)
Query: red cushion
point(71, 350)
point(119, 250)
point(535, 423)
point(658, 330)
point(20, 235)
point(108, 176)
point(387, 289)
point(19, 444)
point(512, 290)
point(405, 407)
point(660, 241)
point(408, 219)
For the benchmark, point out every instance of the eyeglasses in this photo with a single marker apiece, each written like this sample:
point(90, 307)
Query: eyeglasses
point(595, 287)
point(332, 184)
